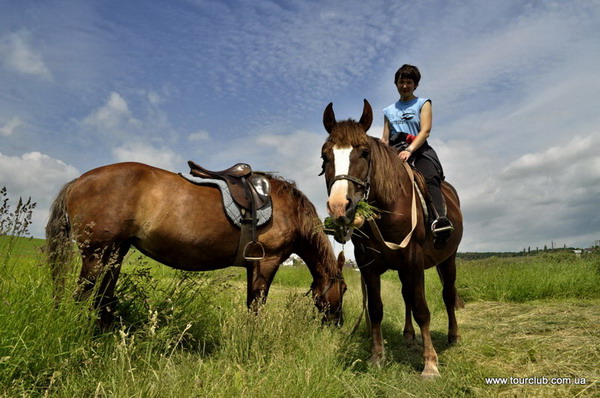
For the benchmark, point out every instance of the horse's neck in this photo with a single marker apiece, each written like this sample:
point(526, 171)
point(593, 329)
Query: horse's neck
point(390, 182)
point(316, 252)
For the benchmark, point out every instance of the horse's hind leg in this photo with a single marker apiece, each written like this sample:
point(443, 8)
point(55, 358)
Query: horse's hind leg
point(447, 272)
point(409, 330)
point(413, 279)
point(104, 265)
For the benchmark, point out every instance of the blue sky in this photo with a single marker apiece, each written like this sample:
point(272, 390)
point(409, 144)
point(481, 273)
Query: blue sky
point(514, 86)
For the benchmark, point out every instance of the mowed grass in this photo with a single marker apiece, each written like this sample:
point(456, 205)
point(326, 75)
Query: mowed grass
point(189, 334)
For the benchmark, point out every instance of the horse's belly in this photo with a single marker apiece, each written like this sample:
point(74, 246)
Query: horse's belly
point(192, 257)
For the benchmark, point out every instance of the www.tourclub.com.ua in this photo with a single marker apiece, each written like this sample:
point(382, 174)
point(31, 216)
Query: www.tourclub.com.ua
point(536, 380)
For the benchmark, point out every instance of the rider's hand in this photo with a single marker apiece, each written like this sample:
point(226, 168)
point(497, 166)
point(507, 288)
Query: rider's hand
point(404, 155)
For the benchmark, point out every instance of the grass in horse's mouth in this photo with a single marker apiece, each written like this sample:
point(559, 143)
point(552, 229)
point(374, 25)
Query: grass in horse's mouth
point(363, 210)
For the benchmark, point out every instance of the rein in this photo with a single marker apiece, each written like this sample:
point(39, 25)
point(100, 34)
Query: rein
point(413, 216)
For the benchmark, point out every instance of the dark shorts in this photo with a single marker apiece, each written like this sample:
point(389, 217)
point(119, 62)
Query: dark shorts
point(423, 159)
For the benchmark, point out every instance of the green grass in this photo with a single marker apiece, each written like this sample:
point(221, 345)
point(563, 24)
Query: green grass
point(522, 279)
point(189, 334)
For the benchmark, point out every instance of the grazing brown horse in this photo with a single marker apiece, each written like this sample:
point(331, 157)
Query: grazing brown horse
point(358, 166)
point(109, 209)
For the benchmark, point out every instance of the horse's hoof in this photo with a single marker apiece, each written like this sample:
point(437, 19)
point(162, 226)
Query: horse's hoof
point(377, 360)
point(430, 372)
point(454, 340)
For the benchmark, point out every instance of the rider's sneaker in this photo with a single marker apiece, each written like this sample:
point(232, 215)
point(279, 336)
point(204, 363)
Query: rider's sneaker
point(441, 228)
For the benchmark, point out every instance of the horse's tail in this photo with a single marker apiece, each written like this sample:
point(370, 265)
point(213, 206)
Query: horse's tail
point(58, 240)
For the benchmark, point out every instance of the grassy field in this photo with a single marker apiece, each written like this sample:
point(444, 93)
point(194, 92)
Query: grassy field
point(188, 334)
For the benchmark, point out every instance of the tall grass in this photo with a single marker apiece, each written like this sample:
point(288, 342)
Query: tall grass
point(189, 334)
point(521, 279)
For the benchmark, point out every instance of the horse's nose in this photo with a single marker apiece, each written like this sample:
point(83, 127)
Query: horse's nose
point(337, 209)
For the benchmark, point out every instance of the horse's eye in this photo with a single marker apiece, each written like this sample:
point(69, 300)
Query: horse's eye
point(365, 153)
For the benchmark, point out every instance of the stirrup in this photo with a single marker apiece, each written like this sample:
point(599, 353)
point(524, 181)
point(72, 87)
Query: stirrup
point(441, 230)
point(251, 245)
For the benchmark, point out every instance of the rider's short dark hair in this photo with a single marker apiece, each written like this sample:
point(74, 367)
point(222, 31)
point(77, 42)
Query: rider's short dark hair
point(408, 72)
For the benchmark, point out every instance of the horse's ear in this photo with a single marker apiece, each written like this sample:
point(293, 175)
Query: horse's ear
point(367, 116)
point(329, 118)
point(341, 260)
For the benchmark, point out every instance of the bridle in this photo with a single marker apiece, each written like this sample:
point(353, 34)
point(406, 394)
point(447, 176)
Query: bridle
point(339, 277)
point(364, 183)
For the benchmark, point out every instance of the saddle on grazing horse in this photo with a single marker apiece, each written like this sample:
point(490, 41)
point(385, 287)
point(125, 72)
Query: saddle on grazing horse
point(250, 191)
point(247, 188)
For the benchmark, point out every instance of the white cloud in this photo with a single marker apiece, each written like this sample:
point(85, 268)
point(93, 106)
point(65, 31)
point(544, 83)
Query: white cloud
point(200, 135)
point(539, 198)
point(18, 54)
point(163, 158)
point(38, 176)
point(112, 117)
point(514, 84)
point(11, 126)
point(154, 98)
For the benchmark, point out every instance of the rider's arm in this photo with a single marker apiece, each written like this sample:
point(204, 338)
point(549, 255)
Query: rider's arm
point(425, 128)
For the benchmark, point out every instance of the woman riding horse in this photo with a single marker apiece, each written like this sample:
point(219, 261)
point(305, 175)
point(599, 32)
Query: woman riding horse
point(360, 167)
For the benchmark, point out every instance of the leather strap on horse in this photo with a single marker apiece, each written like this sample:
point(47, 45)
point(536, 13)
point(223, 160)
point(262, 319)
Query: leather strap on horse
point(245, 239)
point(413, 216)
point(248, 240)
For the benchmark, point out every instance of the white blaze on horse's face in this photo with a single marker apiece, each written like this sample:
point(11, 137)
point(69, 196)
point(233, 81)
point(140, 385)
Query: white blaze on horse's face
point(338, 196)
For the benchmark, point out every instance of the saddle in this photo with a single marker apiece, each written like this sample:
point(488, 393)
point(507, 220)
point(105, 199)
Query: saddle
point(250, 191)
point(423, 193)
point(247, 188)
point(439, 224)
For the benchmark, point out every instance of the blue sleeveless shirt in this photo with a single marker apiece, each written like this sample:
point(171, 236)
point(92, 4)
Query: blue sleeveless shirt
point(405, 117)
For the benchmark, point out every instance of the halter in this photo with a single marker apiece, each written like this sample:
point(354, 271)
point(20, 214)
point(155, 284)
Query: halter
point(339, 277)
point(365, 184)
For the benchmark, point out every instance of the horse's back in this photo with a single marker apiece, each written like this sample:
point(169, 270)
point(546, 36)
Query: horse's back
point(120, 187)
point(451, 195)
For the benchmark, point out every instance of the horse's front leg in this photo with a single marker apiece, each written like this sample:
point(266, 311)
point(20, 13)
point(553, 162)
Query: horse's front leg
point(259, 275)
point(375, 315)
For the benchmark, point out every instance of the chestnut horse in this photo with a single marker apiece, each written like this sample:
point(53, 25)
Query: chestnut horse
point(358, 166)
point(109, 209)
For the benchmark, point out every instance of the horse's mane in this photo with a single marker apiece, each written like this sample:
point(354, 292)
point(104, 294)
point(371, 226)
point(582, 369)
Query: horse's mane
point(387, 171)
point(307, 214)
point(348, 133)
point(307, 220)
